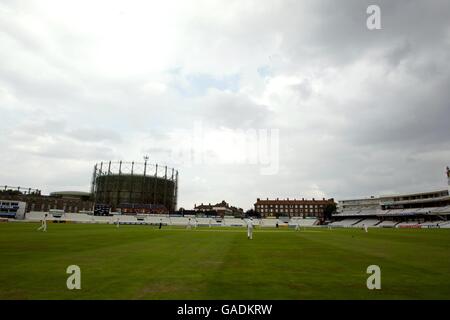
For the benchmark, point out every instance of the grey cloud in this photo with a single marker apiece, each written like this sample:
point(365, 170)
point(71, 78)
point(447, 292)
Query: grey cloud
point(66, 149)
point(399, 53)
point(304, 88)
point(336, 31)
point(94, 135)
point(403, 118)
point(234, 111)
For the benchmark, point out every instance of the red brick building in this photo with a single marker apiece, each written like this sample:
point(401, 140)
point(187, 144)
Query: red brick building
point(292, 207)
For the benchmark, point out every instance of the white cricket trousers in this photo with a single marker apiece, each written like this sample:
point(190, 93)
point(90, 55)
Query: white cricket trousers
point(43, 226)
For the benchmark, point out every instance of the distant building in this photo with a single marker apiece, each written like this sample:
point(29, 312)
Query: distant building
point(75, 195)
point(69, 202)
point(292, 207)
point(221, 208)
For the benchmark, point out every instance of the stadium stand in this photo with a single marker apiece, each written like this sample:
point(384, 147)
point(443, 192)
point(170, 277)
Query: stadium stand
point(445, 224)
point(410, 210)
point(445, 209)
point(387, 224)
point(155, 219)
point(346, 223)
point(408, 224)
point(367, 222)
point(430, 224)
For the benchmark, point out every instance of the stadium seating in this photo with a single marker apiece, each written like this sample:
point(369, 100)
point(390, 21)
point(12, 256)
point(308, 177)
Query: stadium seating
point(346, 223)
point(445, 224)
point(367, 222)
point(430, 224)
point(387, 224)
point(395, 212)
point(424, 210)
point(351, 212)
point(407, 224)
point(369, 212)
point(350, 222)
point(442, 210)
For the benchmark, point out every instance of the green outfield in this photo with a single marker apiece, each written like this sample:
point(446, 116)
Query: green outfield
point(142, 262)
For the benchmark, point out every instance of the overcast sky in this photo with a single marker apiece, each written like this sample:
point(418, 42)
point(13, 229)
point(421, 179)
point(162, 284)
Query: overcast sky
point(358, 112)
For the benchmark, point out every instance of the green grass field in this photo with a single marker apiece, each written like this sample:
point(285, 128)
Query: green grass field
point(142, 262)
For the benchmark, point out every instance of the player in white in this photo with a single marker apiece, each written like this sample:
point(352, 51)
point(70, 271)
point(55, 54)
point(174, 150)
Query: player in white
point(188, 224)
point(250, 229)
point(195, 223)
point(297, 226)
point(365, 227)
point(210, 222)
point(117, 222)
point(43, 226)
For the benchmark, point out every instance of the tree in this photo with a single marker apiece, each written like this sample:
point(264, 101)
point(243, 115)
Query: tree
point(10, 192)
point(328, 211)
point(252, 213)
